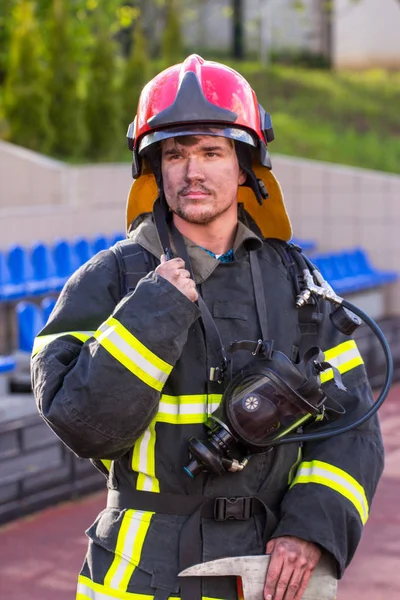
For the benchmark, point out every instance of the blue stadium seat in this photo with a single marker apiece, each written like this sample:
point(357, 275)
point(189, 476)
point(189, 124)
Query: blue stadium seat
point(64, 262)
point(100, 243)
point(42, 269)
point(359, 264)
point(47, 305)
point(82, 251)
point(7, 364)
point(327, 266)
point(30, 321)
point(350, 271)
point(14, 273)
point(4, 277)
point(116, 237)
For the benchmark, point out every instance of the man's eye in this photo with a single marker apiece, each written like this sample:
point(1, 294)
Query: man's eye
point(211, 154)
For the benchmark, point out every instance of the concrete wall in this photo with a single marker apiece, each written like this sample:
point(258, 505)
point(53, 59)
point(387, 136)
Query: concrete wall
point(43, 199)
point(366, 34)
point(336, 206)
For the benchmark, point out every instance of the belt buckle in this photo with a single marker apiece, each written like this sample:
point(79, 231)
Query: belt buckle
point(233, 509)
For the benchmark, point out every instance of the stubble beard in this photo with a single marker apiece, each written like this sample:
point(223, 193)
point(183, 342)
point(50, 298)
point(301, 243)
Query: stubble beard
point(182, 210)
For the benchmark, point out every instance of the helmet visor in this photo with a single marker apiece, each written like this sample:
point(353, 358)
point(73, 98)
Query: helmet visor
point(233, 133)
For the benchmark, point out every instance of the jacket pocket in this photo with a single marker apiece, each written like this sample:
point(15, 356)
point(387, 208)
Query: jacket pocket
point(230, 310)
point(141, 541)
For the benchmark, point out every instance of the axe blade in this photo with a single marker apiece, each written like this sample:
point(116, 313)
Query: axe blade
point(253, 570)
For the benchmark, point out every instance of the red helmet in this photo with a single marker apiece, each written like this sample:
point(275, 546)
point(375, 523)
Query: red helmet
point(199, 92)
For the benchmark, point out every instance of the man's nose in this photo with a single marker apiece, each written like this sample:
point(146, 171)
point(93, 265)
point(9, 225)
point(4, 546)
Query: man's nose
point(193, 171)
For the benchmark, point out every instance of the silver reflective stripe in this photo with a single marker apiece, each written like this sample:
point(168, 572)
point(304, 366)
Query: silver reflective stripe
point(144, 460)
point(132, 354)
point(144, 450)
point(131, 536)
point(182, 409)
point(345, 357)
point(187, 409)
point(326, 474)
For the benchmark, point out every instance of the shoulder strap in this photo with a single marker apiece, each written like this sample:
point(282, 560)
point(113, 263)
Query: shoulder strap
point(134, 262)
point(285, 252)
point(310, 316)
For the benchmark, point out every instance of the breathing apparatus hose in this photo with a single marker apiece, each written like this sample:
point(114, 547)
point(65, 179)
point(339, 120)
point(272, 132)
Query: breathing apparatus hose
point(322, 289)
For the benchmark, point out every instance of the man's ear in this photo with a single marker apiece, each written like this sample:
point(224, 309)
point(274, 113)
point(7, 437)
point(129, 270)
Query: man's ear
point(242, 177)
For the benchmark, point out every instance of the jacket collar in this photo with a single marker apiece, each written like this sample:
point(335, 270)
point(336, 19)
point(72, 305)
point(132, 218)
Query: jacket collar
point(145, 234)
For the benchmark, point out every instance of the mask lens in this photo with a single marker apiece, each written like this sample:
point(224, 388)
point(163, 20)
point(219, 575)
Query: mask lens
point(258, 407)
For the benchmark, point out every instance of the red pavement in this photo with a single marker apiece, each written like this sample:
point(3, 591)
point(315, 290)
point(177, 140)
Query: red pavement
point(41, 555)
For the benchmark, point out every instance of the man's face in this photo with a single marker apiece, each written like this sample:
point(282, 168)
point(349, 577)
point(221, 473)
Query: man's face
point(201, 175)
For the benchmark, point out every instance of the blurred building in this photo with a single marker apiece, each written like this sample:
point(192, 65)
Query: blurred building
point(268, 25)
point(366, 34)
point(355, 34)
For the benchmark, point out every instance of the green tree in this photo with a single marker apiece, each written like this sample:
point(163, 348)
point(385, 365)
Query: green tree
point(137, 73)
point(66, 110)
point(172, 43)
point(27, 102)
point(6, 9)
point(103, 102)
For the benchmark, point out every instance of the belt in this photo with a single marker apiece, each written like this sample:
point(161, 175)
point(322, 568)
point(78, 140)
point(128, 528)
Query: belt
point(237, 508)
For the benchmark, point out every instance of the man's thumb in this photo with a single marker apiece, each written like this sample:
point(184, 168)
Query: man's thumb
point(163, 258)
point(270, 547)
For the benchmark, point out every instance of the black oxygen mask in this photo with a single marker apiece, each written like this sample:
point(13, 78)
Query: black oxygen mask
point(263, 403)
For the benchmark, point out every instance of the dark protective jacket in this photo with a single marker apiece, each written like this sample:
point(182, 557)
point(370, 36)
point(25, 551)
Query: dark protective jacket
point(124, 383)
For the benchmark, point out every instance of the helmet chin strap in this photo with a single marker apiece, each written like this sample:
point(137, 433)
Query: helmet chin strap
point(245, 163)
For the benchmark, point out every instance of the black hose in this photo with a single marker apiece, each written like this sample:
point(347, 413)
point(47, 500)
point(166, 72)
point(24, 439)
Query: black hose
point(322, 435)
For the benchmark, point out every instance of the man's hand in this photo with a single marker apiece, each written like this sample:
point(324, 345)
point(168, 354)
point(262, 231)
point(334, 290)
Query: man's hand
point(174, 271)
point(292, 563)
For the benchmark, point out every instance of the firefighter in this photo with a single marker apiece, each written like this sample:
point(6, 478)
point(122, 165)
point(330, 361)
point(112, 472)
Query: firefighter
point(134, 360)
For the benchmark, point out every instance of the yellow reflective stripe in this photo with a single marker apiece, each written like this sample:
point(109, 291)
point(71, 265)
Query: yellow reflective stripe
point(138, 346)
point(107, 463)
point(88, 590)
point(213, 401)
point(144, 462)
point(293, 468)
point(189, 409)
point(174, 410)
point(43, 340)
point(131, 353)
point(344, 357)
point(326, 474)
point(130, 541)
point(294, 425)
point(338, 350)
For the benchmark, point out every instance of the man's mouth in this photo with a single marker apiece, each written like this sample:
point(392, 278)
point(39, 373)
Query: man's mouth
point(195, 194)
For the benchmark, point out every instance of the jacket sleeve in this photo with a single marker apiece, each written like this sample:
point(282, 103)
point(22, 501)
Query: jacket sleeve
point(329, 498)
point(100, 364)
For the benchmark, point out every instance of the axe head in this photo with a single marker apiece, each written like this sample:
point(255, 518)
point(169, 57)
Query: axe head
point(252, 571)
